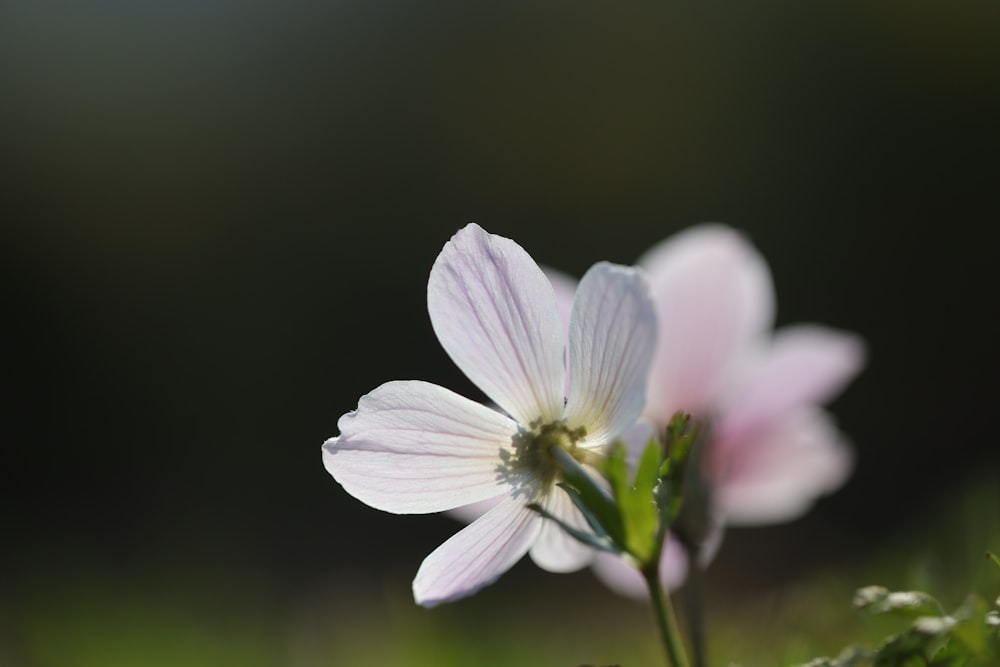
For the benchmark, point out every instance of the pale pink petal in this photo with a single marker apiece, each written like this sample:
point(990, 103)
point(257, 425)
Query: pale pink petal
point(713, 295)
point(471, 512)
point(495, 313)
point(478, 554)
point(415, 447)
point(624, 578)
point(612, 337)
point(554, 549)
point(777, 474)
point(804, 365)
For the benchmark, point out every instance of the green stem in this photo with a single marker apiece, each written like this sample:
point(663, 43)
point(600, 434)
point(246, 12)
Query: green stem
point(694, 612)
point(665, 618)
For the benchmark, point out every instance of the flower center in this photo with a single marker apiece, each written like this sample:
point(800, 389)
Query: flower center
point(533, 450)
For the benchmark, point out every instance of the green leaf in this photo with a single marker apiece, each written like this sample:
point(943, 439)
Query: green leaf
point(969, 628)
point(819, 662)
point(933, 638)
point(951, 653)
point(852, 656)
point(908, 604)
point(678, 441)
point(908, 648)
point(595, 540)
point(592, 498)
point(637, 502)
point(616, 469)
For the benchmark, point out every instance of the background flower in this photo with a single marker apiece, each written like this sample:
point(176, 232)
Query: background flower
point(770, 451)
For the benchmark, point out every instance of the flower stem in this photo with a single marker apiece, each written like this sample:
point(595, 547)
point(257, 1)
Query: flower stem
point(665, 618)
point(694, 613)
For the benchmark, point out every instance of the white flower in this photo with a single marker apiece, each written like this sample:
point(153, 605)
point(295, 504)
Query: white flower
point(771, 450)
point(415, 447)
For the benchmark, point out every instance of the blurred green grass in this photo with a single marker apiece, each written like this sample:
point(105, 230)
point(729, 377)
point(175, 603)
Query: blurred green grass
point(152, 617)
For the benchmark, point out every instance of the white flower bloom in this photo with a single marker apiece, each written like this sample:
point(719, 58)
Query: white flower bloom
point(415, 447)
point(771, 450)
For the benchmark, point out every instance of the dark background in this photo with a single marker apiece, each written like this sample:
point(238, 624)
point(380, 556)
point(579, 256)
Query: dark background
point(219, 218)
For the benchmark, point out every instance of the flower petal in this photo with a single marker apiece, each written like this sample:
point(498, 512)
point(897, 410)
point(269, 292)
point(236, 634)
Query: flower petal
point(554, 549)
point(478, 554)
point(777, 474)
point(472, 511)
point(623, 578)
point(495, 314)
point(804, 365)
point(612, 336)
point(415, 447)
point(713, 295)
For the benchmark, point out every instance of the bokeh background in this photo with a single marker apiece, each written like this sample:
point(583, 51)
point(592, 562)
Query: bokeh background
point(219, 218)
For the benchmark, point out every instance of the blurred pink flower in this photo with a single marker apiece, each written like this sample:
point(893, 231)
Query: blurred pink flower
point(415, 447)
point(771, 450)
